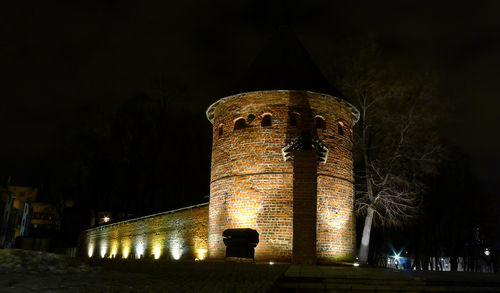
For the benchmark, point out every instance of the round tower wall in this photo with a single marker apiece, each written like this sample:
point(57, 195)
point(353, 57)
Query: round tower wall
point(252, 185)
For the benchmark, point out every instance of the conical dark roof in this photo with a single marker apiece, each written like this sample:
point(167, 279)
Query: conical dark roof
point(284, 64)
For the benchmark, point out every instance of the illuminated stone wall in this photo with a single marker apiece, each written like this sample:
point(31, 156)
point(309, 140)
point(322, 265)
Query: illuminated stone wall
point(179, 234)
point(252, 185)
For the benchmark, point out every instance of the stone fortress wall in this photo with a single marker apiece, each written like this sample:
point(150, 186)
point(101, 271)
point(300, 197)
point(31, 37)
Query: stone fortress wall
point(172, 235)
point(252, 185)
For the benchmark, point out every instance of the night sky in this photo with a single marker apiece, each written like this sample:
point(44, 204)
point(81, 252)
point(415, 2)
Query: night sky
point(60, 57)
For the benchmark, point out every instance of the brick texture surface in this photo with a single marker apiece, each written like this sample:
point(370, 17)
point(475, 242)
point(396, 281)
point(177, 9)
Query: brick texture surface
point(305, 186)
point(252, 186)
point(180, 234)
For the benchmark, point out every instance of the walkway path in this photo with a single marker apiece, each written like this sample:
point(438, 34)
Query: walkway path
point(300, 278)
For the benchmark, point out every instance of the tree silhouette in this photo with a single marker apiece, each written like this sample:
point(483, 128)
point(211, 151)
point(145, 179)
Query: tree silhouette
point(396, 139)
point(141, 156)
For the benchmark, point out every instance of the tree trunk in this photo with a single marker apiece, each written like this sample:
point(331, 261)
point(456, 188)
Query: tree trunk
point(365, 240)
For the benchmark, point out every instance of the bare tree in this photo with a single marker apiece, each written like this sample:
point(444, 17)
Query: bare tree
point(396, 142)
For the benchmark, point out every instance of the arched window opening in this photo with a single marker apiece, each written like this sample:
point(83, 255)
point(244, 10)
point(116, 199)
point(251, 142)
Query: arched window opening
point(294, 118)
point(250, 118)
point(319, 122)
point(239, 124)
point(220, 129)
point(266, 120)
point(340, 128)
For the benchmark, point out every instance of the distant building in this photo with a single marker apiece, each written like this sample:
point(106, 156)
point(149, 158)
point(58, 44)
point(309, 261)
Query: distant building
point(45, 219)
point(23, 218)
point(16, 203)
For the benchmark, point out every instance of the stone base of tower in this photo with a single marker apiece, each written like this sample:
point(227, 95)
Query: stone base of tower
point(266, 205)
point(260, 202)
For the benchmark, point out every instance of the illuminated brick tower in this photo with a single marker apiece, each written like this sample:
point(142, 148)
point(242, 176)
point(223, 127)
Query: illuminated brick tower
point(282, 160)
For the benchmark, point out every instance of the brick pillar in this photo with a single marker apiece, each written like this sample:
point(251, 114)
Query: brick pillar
point(305, 185)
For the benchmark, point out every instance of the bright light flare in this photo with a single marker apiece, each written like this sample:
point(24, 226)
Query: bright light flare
point(157, 252)
point(104, 249)
point(176, 251)
point(201, 254)
point(139, 250)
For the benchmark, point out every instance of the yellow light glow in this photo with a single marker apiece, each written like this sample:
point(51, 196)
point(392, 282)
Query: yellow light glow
point(245, 217)
point(201, 253)
point(104, 248)
point(157, 244)
point(91, 249)
point(125, 252)
point(334, 220)
point(336, 224)
point(247, 204)
point(157, 252)
point(114, 248)
point(125, 248)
